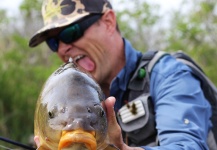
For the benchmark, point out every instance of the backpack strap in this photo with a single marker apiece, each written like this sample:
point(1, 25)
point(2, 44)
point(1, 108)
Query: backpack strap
point(158, 55)
point(140, 130)
point(147, 62)
point(138, 83)
point(180, 56)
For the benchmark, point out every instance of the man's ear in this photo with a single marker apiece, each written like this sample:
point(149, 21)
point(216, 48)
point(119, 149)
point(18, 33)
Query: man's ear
point(109, 18)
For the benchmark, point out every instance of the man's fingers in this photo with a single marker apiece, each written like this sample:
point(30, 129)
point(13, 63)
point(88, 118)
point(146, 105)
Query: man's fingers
point(109, 103)
point(37, 142)
point(114, 130)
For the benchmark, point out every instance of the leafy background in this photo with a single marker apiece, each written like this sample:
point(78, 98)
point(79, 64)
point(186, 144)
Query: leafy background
point(23, 70)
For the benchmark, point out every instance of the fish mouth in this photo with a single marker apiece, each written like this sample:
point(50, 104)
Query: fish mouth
point(79, 136)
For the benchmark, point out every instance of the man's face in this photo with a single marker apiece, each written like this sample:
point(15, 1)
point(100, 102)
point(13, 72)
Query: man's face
point(91, 52)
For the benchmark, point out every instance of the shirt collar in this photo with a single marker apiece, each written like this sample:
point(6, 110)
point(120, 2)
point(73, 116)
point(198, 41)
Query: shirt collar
point(121, 81)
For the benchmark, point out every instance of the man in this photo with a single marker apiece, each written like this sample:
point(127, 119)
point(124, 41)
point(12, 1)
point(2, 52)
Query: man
point(87, 31)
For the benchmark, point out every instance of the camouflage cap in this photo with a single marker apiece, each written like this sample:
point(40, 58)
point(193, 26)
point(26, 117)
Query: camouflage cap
point(60, 13)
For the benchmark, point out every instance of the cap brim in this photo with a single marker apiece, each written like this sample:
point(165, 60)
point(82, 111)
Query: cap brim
point(42, 34)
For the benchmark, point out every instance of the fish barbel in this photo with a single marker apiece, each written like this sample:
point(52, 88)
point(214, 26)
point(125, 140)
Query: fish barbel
point(69, 114)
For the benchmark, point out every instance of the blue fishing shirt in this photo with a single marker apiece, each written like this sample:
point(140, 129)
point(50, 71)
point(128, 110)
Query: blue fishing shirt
point(182, 112)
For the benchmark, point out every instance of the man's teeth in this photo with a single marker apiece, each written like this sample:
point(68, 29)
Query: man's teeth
point(78, 57)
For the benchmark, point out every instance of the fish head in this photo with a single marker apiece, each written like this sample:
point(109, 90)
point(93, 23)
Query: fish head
point(69, 110)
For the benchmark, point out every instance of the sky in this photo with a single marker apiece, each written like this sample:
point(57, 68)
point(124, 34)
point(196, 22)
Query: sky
point(166, 5)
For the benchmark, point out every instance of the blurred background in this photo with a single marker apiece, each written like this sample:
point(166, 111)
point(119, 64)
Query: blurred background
point(188, 25)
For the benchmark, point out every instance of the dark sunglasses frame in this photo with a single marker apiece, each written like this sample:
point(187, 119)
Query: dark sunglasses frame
point(72, 32)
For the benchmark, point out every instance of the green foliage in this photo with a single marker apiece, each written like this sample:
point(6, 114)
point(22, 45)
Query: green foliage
point(136, 22)
point(2, 16)
point(29, 7)
point(195, 33)
point(23, 72)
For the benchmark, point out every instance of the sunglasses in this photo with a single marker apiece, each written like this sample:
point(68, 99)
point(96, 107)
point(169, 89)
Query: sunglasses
point(72, 32)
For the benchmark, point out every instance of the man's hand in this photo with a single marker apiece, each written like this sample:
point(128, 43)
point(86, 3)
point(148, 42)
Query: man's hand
point(37, 142)
point(114, 130)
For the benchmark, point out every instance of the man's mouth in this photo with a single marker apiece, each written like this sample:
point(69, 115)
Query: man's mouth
point(85, 62)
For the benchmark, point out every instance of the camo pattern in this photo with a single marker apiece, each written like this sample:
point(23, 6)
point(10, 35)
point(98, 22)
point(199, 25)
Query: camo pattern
point(59, 13)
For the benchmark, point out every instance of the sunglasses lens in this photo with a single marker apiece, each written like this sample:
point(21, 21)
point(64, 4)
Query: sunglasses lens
point(70, 34)
point(53, 44)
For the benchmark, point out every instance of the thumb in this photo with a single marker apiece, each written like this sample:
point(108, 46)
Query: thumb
point(109, 104)
point(114, 130)
point(37, 142)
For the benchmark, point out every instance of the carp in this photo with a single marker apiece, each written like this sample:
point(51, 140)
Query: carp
point(69, 114)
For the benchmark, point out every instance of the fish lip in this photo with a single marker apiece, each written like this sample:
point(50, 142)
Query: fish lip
point(78, 136)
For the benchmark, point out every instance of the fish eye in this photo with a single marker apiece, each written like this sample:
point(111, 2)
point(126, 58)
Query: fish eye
point(102, 113)
point(51, 114)
point(89, 110)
